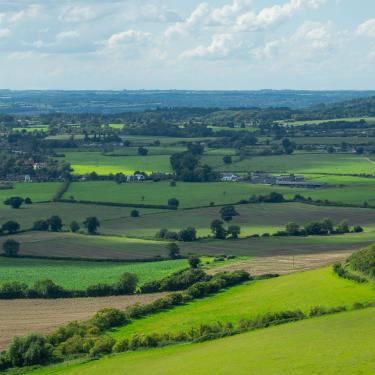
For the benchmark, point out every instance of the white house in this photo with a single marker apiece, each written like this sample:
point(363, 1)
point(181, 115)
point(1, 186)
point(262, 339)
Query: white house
point(230, 177)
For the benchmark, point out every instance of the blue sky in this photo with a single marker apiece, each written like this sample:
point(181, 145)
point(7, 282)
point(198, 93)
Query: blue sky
point(175, 44)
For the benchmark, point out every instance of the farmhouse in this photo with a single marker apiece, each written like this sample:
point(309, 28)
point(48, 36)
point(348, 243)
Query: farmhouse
point(230, 177)
point(138, 177)
point(285, 180)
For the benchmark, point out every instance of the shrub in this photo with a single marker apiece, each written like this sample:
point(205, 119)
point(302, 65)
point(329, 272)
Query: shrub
point(194, 261)
point(187, 235)
point(10, 227)
point(46, 288)
point(99, 290)
point(127, 284)
point(12, 290)
point(41, 225)
point(182, 279)
point(109, 318)
point(74, 226)
point(11, 248)
point(29, 350)
point(134, 213)
point(101, 346)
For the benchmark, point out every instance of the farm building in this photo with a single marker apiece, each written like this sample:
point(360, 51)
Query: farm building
point(230, 177)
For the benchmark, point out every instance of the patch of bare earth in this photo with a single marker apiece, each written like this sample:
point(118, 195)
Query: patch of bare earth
point(283, 264)
point(23, 316)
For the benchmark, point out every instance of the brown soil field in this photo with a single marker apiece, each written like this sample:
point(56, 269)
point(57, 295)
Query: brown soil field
point(23, 316)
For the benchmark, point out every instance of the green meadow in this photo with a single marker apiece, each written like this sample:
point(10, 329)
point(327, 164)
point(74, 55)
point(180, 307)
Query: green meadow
point(253, 219)
point(305, 163)
point(370, 120)
point(302, 291)
point(330, 345)
point(38, 192)
point(78, 275)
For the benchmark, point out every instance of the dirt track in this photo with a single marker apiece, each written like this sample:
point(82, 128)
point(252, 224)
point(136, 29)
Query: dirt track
point(20, 317)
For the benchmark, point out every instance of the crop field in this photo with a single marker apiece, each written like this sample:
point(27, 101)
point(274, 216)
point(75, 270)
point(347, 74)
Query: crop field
point(28, 214)
point(87, 162)
point(305, 163)
point(189, 194)
point(253, 219)
point(369, 120)
point(78, 275)
point(302, 291)
point(22, 316)
point(38, 192)
point(70, 245)
point(339, 343)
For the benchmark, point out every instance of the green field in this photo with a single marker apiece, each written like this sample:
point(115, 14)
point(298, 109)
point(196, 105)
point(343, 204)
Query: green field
point(253, 219)
point(333, 140)
point(38, 192)
point(78, 275)
point(91, 161)
point(330, 345)
point(370, 120)
point(28, 214)
point(296, 291)
point(305, 163)
point(87, 247)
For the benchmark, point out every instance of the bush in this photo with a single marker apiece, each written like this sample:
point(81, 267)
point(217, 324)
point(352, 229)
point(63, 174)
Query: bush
point(127, 284)
point(109, 318)
point(187, 235)
point(100, 290)
point(134, 213)
point(41, 225)
point(101, 346)
point(29, 350)
point(182, 279)
point(46, 288)
point(194, 261)
point(10, 227)
point(12, 290)
point(11, 248)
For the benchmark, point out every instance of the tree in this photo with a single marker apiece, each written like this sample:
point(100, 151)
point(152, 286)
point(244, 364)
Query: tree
point(173, 250)
point(127, 283)
point(357, 229)
point(92, 224)
point(28, 200)
point(228, 212)
point(187, 235)
point(14, 202)
point(327, 225)
point(142, 151)
point(41, 225)
point(173, 202)
point(292, 228)
point(343, 227)
point(74, 226)
point(227, 159)
point(194, 261)
point(134, 213)
point(234, 231)
point(218, 230)
point(10, 227)
point(55, 223)
point(11, 248)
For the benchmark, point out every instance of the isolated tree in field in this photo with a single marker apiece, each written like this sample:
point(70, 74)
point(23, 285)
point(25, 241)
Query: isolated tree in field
point(10, 227)
point(134, 213)
point(227, 213)
point(127, 283)
point(92, 224)
point(194, 261)
point(173, 202)
point(227, 159)
point(74, 226)
point(292, 228)
point(28, 200)
point(187, 235)
point(142, 151)
point(173, 250)
point(14, 202)
point(11, 248)
point(234, 231)
point(55, 223)
point(41, 225)
point(218, 230)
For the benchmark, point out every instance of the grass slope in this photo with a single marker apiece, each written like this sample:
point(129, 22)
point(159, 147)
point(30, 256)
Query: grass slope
point(296, 291)
point(78, 275)
point(330, 345)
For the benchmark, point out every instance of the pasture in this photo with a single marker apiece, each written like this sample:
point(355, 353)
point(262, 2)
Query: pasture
point(78, 275)
point(92, 161)
point(28, 214)
point(38, 192)
point(253, 219)
point(302, 291)
point(329, 345)
point(369, 120)
point(304, 163)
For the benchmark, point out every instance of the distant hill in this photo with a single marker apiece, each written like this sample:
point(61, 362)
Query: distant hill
point(110, 102)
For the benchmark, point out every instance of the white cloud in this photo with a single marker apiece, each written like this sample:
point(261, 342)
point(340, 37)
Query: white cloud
point(225, 14)
point(367, 28)
point(77, 13)
point(71, 34)
point(31, 11)
point(316, 34)
point(221, 46)
point(197, 17)
point(4, 33)
point(128, 37)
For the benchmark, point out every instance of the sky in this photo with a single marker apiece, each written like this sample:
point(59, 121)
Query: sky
point(194, 44)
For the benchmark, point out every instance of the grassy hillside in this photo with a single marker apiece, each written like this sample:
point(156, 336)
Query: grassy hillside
point(38, 192)
point(79, 275)
point(296, 291)
point(330, 345)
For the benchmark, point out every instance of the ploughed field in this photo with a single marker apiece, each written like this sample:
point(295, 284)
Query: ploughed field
point(20, 317)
